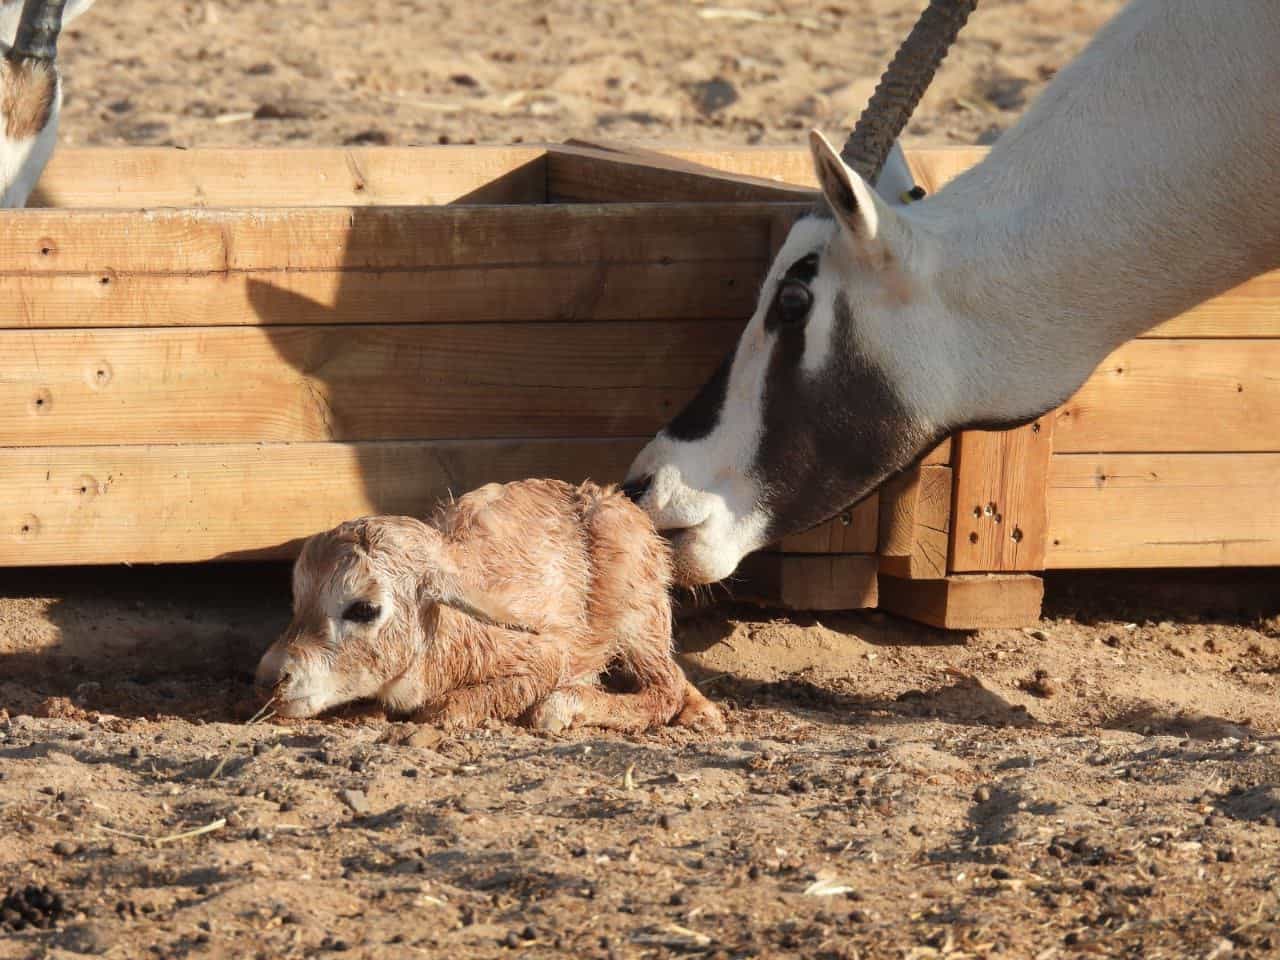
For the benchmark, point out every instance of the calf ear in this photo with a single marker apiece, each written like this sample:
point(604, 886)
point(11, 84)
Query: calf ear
point(866, 219)
point(448, 591)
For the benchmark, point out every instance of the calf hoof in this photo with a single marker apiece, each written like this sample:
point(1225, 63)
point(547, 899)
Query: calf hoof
point(699, 713)
point(557, 713)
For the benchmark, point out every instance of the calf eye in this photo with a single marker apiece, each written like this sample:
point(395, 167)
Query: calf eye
point(362, 611)
point(794, 301)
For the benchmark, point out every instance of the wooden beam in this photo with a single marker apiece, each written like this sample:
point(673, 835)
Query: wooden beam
point(139, 177)
point(642, 290)
point(178, 504)
point(836, 582)
point(582, 172)
point(973, 602)
point(380, 238)
point(1249, 310)
point(998, 514)
point(295, 384)
point(1164, 510)
point(1177, 396)
point(854, 531)
point(915, 524)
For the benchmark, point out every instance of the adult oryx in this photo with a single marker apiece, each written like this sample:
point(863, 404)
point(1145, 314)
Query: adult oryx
point(1144, 180)
point(30, 90)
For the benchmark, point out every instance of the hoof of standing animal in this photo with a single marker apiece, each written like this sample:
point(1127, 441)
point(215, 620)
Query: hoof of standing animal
point(515, 602)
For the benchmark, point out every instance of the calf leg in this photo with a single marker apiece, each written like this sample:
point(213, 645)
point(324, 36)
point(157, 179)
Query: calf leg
point(504, 697)
point(576, 706)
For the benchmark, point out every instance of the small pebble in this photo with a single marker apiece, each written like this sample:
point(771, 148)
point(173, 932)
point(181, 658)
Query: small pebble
point(65, 848)
point(982, 794)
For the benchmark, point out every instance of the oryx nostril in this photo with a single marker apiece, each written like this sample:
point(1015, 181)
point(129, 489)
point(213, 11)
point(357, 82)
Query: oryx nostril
point(638, 487)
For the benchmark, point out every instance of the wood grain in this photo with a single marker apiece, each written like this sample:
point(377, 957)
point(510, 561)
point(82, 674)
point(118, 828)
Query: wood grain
point(998, 514)
point(966, 602)
point(1177, 396)
point(379, 238)
point(178, 504)
point(139, 177)
point(854, 531)
point(1164, 510)
point(250, 384)
point(609, 173)
point(841, 582)
point(915, 523)
point(654, 290)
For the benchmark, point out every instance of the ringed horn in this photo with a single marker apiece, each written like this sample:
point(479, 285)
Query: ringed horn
point(38, 29)
point(903, 84)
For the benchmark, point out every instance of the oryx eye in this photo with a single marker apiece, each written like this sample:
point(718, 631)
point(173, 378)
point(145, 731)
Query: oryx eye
point(361, 611)
point(794, 300)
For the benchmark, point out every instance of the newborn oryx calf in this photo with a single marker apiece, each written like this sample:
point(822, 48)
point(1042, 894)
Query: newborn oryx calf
point(515, 602)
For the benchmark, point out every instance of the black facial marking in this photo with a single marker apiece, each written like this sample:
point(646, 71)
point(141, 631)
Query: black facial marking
point(361, 611)
point(829, 438)
point(702, 413)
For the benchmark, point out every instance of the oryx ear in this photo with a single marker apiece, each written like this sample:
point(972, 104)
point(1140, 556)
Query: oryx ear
point(866, 218)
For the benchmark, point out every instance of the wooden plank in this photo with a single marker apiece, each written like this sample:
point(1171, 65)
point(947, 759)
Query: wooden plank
point(379, 238)
point(1177, 396)
point(581, 171)
point(932, 166)
point(1249, 310)
point(1164, 510)
point(137, 177)
point(933, 169)
point(710, 289)
point(915, 523)
point(178, 504)
point(854, 531)
point(998, 515)
point(972, 602)
point(234, 384)
point(836, 582)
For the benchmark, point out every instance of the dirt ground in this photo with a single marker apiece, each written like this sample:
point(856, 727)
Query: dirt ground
point(1107, 784)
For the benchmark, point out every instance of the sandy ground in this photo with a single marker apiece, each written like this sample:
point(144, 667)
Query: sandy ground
point(1108, 784)
point(407, 71)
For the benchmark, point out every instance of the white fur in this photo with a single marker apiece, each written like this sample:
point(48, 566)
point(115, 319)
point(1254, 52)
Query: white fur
point(1141, 183)
point(23, 161)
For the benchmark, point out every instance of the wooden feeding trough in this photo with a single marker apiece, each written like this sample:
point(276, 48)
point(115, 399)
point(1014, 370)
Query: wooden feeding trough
point(212, 354)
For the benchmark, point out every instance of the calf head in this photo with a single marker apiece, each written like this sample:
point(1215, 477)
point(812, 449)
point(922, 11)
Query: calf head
point(366, 609)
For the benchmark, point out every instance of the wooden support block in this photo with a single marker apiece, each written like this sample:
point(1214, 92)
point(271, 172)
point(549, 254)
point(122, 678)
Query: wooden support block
point(854, 531)
point(817, 582)
point(998, 516)
point(582, 173)
point(915, 524)
point(972, 602)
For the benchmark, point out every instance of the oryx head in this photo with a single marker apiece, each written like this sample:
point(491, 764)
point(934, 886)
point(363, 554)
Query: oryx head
point(840, 378)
